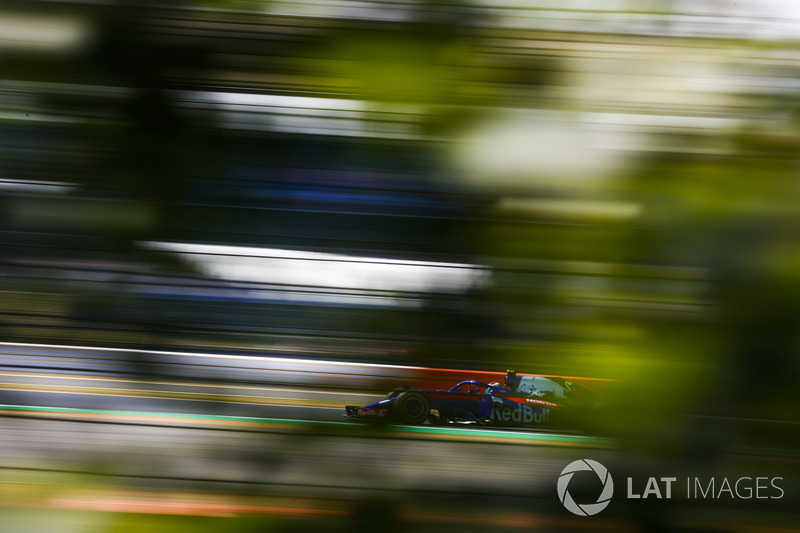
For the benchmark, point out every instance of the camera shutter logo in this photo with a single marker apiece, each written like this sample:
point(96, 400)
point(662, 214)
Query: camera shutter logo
point(588, 509)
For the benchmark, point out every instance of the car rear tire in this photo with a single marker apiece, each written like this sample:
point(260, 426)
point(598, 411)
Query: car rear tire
point(411, 407)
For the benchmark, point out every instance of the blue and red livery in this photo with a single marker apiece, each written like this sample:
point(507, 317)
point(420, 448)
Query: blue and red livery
point(522, 401)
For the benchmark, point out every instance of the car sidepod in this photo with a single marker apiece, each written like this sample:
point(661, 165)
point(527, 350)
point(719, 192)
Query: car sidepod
point(502, 411)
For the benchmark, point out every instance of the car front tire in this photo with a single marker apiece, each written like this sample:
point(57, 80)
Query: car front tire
point(411, 407)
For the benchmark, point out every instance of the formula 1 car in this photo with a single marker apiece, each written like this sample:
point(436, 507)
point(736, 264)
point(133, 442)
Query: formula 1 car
point(526, 401)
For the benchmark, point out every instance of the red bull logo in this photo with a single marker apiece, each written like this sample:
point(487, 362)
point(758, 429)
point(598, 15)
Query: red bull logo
point(525, 414)
point(371, 412)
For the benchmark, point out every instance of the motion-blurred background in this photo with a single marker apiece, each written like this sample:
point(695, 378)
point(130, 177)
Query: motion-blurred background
point(219, 216)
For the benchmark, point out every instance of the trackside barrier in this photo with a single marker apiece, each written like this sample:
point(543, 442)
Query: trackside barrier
point(261, 369)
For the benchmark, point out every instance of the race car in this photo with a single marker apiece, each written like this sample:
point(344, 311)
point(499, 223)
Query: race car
point(522, 401)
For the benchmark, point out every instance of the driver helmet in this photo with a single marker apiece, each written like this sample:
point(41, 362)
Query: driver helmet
point(512, 379)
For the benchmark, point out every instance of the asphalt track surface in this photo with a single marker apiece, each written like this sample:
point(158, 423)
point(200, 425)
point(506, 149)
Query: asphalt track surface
point(77, 418)
point(64, 407)
point(189, 383)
